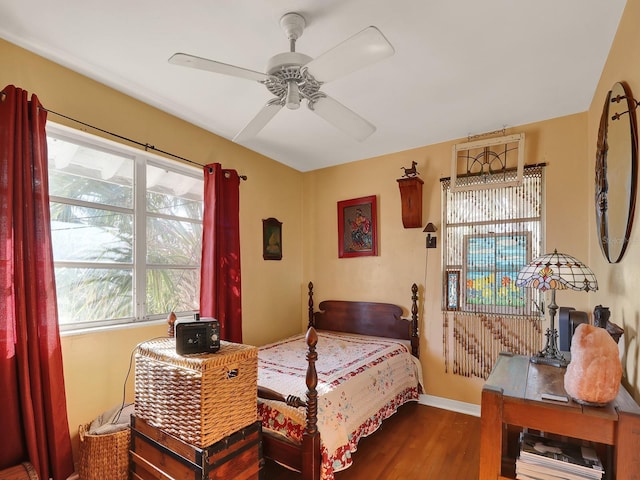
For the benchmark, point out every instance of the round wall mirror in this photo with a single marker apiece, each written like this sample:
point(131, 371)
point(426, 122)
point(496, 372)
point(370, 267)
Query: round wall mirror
point(616, 170)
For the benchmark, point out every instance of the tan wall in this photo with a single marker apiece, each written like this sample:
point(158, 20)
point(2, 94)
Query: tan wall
point(619, 283)
point(403, 258)
point(96, 364)
point(274, 293)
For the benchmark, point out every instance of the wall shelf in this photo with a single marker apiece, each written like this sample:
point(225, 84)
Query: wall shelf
point(411, 198)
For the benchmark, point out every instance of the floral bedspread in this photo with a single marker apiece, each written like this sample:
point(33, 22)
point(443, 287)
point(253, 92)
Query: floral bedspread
point(362, 380)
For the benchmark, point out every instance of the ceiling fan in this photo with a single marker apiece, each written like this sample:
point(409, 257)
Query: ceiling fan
point(293, 76)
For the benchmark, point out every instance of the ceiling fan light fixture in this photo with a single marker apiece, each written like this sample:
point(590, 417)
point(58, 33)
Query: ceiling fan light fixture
point(292, 100)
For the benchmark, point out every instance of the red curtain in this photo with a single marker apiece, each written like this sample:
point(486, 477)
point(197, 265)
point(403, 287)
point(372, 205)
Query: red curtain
point(33, 407)
point(220, 288)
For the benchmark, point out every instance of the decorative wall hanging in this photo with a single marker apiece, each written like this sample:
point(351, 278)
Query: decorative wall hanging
point(357, 227)
point(486, 163)
point(616, 172)
point(271, 239)
point(411, 197)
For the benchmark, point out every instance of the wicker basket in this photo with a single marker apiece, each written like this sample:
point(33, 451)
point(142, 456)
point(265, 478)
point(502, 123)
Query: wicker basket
point(24, 471)
point(201, 398)
point(104, 456)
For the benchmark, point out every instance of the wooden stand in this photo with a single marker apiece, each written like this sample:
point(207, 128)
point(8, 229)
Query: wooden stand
point(411, 197)
point(511, 398)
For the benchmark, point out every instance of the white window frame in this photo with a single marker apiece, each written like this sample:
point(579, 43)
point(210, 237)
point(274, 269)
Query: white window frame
point(497, 180)
point(139, 211)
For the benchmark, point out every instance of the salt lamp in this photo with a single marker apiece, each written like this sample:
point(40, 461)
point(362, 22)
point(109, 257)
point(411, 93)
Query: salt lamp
point(594, 373)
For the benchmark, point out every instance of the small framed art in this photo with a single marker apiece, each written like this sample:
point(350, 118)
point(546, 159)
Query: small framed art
point(453, 290)
point(271, 239)
point(357, 227)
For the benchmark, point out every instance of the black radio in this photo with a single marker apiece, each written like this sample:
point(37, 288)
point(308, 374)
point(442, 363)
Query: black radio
point(201, 335)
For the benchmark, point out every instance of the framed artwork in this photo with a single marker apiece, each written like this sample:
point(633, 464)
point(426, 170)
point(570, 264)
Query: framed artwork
point(453, 290)
point(357, 227)
point(271, 239)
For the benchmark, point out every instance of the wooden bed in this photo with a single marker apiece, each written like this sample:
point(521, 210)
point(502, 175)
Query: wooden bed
point(363, 318)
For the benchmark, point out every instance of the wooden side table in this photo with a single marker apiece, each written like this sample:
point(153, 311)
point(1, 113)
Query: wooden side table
point(511, 398)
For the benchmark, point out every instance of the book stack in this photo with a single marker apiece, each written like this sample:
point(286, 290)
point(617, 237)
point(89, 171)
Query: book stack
point(542, 458)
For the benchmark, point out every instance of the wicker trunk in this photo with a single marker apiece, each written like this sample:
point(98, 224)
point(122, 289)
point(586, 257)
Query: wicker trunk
point(155, 455)
point(201, 398)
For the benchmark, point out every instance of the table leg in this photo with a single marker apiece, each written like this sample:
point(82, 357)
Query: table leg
point(491, 434)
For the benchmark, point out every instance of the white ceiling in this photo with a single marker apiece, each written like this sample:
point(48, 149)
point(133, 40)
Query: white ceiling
point(461, 67)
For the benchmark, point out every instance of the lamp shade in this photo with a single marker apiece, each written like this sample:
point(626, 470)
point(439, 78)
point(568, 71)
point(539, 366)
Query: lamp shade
point(557, 271)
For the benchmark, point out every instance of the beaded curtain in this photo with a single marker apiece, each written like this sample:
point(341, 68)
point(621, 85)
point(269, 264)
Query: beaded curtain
point(489, 234)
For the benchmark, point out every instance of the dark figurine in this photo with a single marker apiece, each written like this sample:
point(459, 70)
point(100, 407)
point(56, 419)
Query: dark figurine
point(410, 172)
point(601, 316)
point(601, 319)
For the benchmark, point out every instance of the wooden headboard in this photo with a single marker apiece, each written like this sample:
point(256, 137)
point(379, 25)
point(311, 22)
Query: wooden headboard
point(367, 318)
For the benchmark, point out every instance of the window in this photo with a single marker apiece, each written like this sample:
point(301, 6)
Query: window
point(491, 265)
point(126, 230)
point(490, 234)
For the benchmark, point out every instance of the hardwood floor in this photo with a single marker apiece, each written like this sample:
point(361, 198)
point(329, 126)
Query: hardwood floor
point(418, 442)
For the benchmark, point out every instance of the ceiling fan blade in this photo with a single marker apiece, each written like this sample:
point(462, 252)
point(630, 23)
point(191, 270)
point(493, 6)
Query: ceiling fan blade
point(343, 118)
point(364, 48)
point(186, 60)
point(259, 121)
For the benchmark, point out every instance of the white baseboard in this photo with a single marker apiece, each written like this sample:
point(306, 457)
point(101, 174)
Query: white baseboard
point(447, 404)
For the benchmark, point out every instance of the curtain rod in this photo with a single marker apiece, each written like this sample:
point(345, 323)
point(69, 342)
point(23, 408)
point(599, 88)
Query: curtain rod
point(145, 145)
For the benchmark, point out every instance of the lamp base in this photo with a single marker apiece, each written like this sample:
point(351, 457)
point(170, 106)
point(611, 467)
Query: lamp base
point(557, 360)
point(550, 354)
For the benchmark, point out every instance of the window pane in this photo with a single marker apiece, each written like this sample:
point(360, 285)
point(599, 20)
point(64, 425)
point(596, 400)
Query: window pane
point(90, 234)
point(88, 174)
point(172, 290)
point(175, 194)
point(94, 294)
point(102, 196)
point(172, 242)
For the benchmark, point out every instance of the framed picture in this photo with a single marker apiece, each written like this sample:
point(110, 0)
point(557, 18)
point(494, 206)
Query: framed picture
point(453, 290)
point(271, 239)
point(357, 227)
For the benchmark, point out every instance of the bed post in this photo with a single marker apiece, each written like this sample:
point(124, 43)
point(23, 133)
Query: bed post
point(311, 437)
point(415, 340)
point(310, 287)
